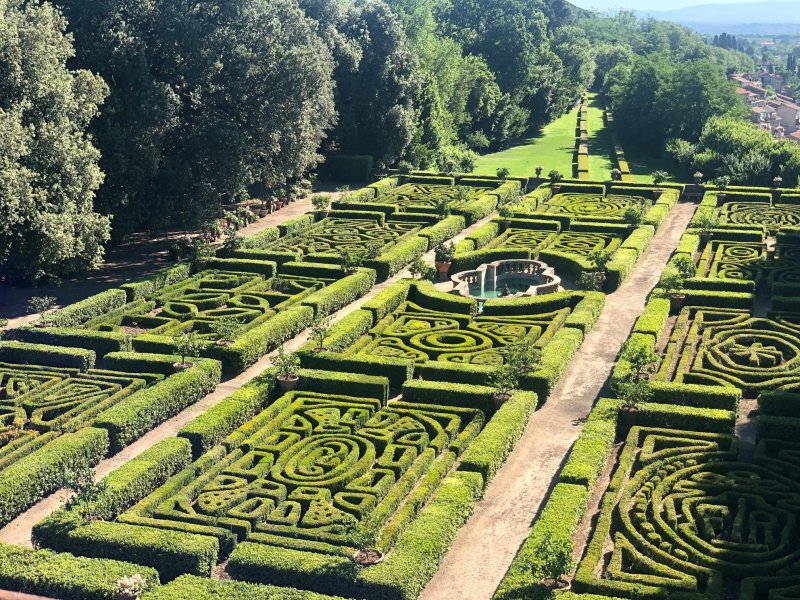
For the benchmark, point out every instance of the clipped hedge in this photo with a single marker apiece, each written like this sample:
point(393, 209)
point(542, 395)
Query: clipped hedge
point(65, 576)
point(489, 450)
point(146, 288)
point(49, 356)
point(260, 240)
point(129, 420)
point(386, 301)
point(593, 447)
point(443, 230)
point(191, 587)
point(686, 417)
point(397, 371)
point(332, 382)
point(397, 257)
point(219, 421)
point(449, 394)
point(340, 293)
point(780, 403)
point(42, 472)
point(93, 306)
point(243, 265)
point(100, 342)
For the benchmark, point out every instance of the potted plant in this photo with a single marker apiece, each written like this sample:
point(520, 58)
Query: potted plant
point(504, 379)
point(722, 183)
point(616, 174)
point(539, 172)
point(685, 265)
point(503, 173)
point(698, 178)
point(505, 213)
point(320, 329)
point(553, 560)
point(594, 279)
point(634, 216)
point(350, 260)
point(225, 328)
point(187, 346)
point(555, 177)
point(287, 365)
point(41, 305)
point(443, 208)
point(444, 258)
point(659, 177)
point(633, 393)
point(201, 253)
point(671, 283)
point(404, 167)
point(263, 210)
point(232, 240)
point(777, 182)
point(419, 269)
point(321, 203)
point(707, 222)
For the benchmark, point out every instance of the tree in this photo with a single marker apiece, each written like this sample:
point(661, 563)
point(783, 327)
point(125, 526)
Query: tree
point(48, 164)
point(206, 98)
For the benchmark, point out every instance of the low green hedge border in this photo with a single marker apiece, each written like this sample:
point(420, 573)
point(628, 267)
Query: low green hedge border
point(93, 306)
point(191, 587)
point(65, 576)
point(99, 342)
point(48, 356)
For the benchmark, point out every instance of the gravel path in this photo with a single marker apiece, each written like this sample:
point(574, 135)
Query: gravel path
point(486, 545)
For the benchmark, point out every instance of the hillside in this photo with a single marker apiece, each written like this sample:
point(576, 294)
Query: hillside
point(775, 17)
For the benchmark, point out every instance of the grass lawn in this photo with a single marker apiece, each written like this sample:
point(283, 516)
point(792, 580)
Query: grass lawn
point(553, 148)
point(600, 144)
point(642, 167)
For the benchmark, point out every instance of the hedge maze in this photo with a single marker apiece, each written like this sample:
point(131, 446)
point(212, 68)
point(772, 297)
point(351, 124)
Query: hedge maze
point(419, 197)
point(595, 207)
point(684, 517)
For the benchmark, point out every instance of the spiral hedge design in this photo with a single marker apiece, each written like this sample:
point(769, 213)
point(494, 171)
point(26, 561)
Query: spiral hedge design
point(740, 260)
point(418, 334)
point(413, 197)
point(576, 243)
point(53, 399)
point(684, 517)
point(593, 207)
point(334, 234)
point(758, 213)
point(717, 347)
point(196, 303)
point(331, 469)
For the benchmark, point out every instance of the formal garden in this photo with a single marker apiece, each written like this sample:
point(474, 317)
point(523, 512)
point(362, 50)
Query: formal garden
point(349, 467)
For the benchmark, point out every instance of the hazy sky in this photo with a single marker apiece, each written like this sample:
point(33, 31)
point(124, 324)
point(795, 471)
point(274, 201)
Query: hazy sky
point(650, 4)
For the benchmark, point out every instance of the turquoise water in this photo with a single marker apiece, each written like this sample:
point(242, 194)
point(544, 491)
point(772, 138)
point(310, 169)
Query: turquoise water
point(514, 286)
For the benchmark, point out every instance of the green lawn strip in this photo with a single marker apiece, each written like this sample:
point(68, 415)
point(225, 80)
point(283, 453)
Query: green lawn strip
point(553, 148)
point(601, 145)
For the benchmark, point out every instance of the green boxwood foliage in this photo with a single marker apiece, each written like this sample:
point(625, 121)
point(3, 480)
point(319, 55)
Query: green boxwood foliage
point(93, 306)
point(191, 587)
point(716, 299)
point(215, 424)
point(686, 417)
point(100, 342)
point(449, 394)
point(443, 230)
point(778, 428)
point(654, 317)
point(42, 472)
point(65, 576)
point(172, 553)
point(341, 293)
point(397, 371)
point(129, 420)
point(50, 356)
point(780, 403)
point(297, 224)
point(261, 240)
point(397, 257)
point(387, 300)
point(146, 288)
point(265, 268)
point(493, 445)
point(333, 382)
point(557, 522)
point(593, 447)
point(426, 294)
point(620, 267)
point(479, 208)
point(701, 396)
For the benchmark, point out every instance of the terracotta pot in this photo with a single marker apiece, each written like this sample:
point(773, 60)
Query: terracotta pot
point(443, 268)
point(182, 366)
point(706, 237)
point(556, 189)
point(676, 303)
point(367, 556)
point(628, 416)
point(263, 212)
point(721, 197)
point(505, 224)
point(200, 265)
point(323, 214)
point(288, 382)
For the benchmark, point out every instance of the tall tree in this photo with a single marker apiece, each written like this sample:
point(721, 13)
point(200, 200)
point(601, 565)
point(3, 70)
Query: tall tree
point(48, 165)
point(207, 97)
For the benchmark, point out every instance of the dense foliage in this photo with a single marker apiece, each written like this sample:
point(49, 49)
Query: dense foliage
point(48, 165)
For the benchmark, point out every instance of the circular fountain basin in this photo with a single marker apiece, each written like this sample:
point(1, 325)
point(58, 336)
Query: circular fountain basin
point(507, 279)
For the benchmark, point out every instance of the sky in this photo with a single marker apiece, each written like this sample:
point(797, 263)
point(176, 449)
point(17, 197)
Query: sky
point(650, 4)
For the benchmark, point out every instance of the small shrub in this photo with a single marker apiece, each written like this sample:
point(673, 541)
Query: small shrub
point(286, 364)
point(41, 305)
point(130, 588)
point(445, 252)
point(503, 173)
point(320, 329)
point(188, 345)
point(419, 269)
point(226, 328)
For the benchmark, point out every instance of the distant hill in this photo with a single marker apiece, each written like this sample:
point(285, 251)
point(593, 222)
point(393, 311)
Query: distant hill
point(775, 17)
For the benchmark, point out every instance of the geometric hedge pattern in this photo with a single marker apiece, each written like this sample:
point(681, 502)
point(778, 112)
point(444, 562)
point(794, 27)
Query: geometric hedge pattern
point(197, 302)
point(684, 518)
point(591, 207)
point(334, 234)
point(419, 334)
point(324, 469)
point(759, 213)
point(577, 243)
point(729, 347)
point(415, 197)
point(749, 261)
